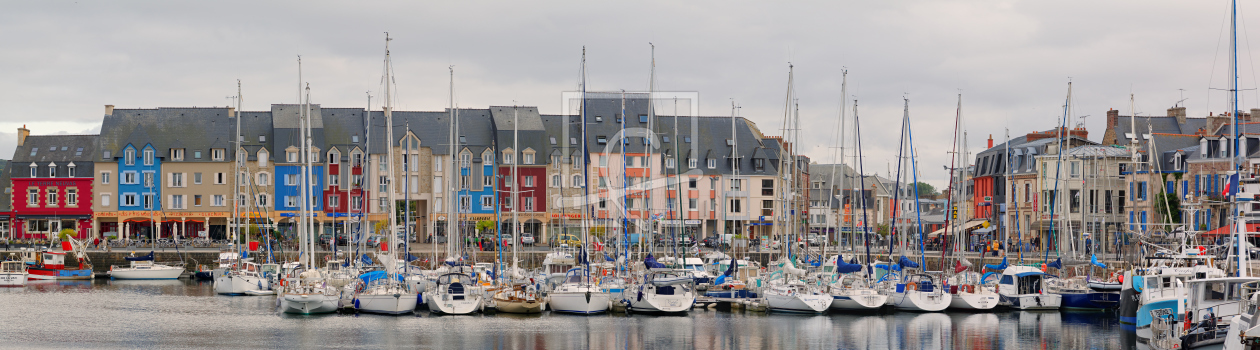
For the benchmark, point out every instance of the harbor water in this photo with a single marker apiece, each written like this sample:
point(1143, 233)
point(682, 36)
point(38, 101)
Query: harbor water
point(188, 314)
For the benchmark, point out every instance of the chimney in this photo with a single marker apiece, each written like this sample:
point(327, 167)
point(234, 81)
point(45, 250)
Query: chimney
point(109, 109)
point(1254, 112)
point(1179, 113)
point(231, 112)
point(990, 141)
point(22, 134)
point(1113, 117)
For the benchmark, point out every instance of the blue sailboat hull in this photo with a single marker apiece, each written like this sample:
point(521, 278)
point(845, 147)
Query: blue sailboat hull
point(1091, 300)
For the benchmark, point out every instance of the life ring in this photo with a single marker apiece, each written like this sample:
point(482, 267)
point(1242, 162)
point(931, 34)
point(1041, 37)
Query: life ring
point(1043, 267)
point(911, 286)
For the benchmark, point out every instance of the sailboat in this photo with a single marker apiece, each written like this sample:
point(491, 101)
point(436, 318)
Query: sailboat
point(967, 292)
point(915, 291)
point(384, 292)
point(851, 291)
point(306, 289)
point(513, 295)
point(242, 275)
point(580, 292)
point(789, 292)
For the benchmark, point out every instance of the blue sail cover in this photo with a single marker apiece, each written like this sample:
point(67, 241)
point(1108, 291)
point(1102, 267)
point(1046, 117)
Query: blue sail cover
point(608, 258)
point(844, 267)
point(1001, 266)
point(1093, 259)
point(650, 262)
point(141, 258)
point(893, 267)
point(376, 275)
point(367, 260)
point(907, 263)
point(1057, 263)
point(411, 258)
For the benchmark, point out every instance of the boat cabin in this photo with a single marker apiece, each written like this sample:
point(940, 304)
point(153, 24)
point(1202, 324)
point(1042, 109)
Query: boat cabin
point(1019, 280)
point(12, 267)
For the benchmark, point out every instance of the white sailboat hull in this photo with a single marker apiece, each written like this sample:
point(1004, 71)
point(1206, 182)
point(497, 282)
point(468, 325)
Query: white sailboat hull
point(914, 300)
point(392, 304)
point(307, 304)
point(578, 302)
point(451, 305)
point(807, 303)
point(644, 299)
point(232, 284)
point(858, 300)
point(155, 272)
point(973, 301)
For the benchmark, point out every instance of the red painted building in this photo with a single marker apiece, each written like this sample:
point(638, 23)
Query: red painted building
point(52, 178)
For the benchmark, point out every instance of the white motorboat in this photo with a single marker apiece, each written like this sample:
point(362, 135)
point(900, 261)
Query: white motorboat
point(12, 274)
point(577, 295)
point(238, 282)
point(919, 292)
point(1023, 288)
point(144, 268)
point(455, 293)
point(796, 296)
point(662, 291)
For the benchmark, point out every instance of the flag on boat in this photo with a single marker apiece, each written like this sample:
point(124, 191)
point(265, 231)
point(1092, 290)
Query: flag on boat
point(1231, 187)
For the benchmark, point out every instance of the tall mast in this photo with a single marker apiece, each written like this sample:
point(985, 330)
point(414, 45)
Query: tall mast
point(236, 166)
point(516, 193)
point(586, 161)
point(367, 175)
point(389, 140)
point(450, 175)
point(831, 185)
point(1239, 225)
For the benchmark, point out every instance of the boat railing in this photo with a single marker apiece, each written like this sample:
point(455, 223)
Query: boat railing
point(1165, 331)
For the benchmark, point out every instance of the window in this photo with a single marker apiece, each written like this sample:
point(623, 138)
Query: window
point(128, 200)
point(381, 163)
point(262, 157)
point(148, 179)
point(105, 175)
point(437, 184)
point(759, 164)
point(691, 163)
point(487, 202)
point(264, 179)
point(463, 182)
point(177, 202)
point(70, 170)
point(291, 156)
point(334, 201)
point(384, 183)
point(383, 203)
point(629, 203)
point(148, 201)
point(334, 158)
point(437, 164)
point(737, 185)
point(148, 157)
point(555, 180)
point(577, 181)
point(52, 170)
point(767, 207)
point(601, 139)
point(177, 154)
point(603, 182)
point(465, 159)
point(220, 178)
point(32, 197)
point(555, 158)
point(414, 164)
point(691, 183)
point(217, 154)
point(290, 179)
point(196, 200)
point(507, 182)
point(196, 178)
point(34, 170)
point(603, 204)
point(692, 203)
point(576, 162)
point(176, 179)
point(264, 200)
point(669, 163)
point(129, 157)
point(217, 200)
point(603, 160)
point(290, 201)
point(465, 203)
point(104, 199)
point(635, 160)
point(767, 187)
point(413, 184)
point(1106, 201)
point(712, 163)
point(736, 206)
point(527, 204)
point(527, 158)
point(527, 181)
point(507, 157)
point(356, 203)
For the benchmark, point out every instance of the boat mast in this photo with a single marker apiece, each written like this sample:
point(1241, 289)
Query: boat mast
point(389, 151)
point(367, 177)
point(831, 185)
point(451, 240)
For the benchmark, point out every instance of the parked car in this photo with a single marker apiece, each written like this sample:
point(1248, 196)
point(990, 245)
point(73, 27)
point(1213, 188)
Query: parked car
point(568, 240)
point(527, 238)
point(815, 240)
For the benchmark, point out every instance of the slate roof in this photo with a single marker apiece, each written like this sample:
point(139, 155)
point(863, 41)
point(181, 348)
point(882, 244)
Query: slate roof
point(286, 123)
point(254, 124)
point(1158, 124)
point(194, 129)
point(60, 149)
point(531, 132)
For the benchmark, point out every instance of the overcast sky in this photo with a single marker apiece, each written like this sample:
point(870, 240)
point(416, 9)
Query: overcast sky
point(62, 61)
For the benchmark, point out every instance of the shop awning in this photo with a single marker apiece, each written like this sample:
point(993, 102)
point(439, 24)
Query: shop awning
point(1228, 230)
point(985, 230)
point(950, 230)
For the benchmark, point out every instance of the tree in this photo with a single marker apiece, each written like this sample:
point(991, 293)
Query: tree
point(484, 225)
point(927, 190)
point(1169, 207)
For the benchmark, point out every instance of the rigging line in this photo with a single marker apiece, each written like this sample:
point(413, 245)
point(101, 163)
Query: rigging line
point(1216, 56)
point(1250, 60)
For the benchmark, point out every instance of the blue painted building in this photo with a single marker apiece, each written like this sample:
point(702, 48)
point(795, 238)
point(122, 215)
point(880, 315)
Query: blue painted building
point(139, 182)
point(288, 187)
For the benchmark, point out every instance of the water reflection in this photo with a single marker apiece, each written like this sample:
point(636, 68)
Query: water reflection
point(189, 314)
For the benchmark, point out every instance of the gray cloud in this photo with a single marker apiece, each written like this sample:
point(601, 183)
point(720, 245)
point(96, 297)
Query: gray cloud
point(1011, 60)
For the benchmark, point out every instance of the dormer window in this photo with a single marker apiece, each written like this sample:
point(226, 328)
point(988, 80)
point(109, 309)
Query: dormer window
point(691, 163)
point(1177, 162)
point(148, 157)
point(712, 163)
point(354, 138)
point(291, 156)
point(262, 157)
point(508, 156)
point(730, 142)
point(527, 157)
point(263, 138)
point(129, 157)
point(759, 164)
point(669, 163)
point(601, 139)
point(34, 170)
point(487, 157)
point(218, 154)
point(334, 158)
point(52, 170)
point(70, 170)
point(599, 119)
point(177, 154)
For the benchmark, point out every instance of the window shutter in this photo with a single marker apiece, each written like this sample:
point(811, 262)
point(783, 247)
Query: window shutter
point(1131, 196)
